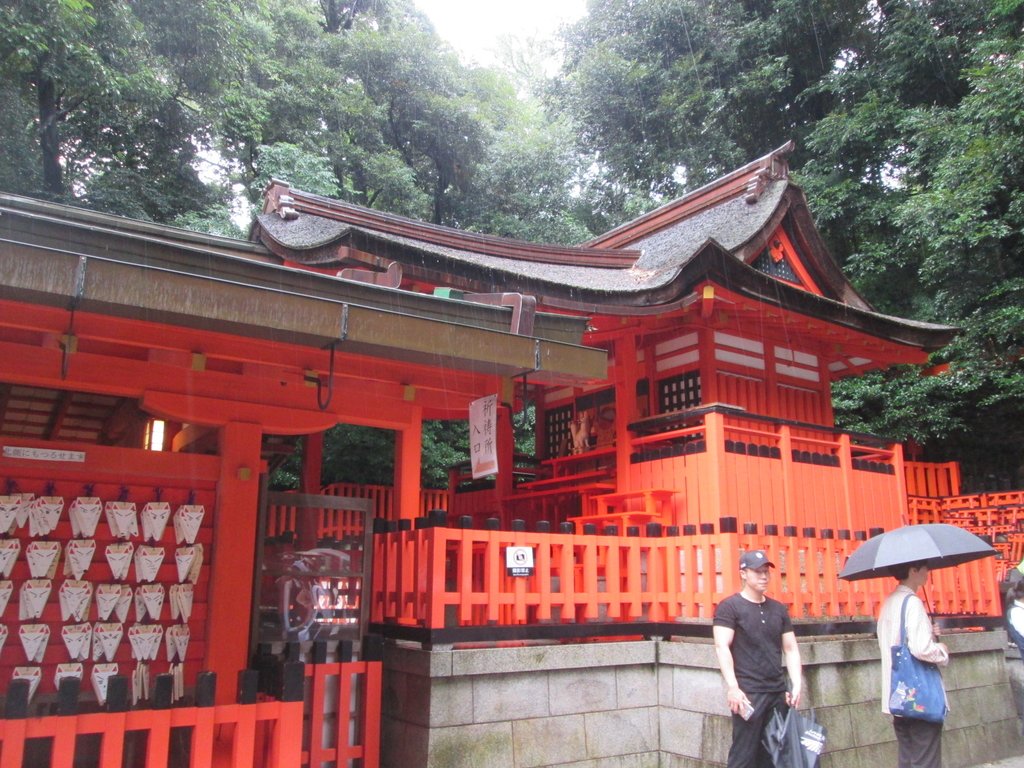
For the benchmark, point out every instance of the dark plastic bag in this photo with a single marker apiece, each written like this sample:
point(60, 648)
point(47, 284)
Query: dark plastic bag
point(794, 740)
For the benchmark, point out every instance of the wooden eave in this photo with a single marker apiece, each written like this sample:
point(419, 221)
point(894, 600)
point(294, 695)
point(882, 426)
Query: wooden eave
point(765, 297)
point(96, 268)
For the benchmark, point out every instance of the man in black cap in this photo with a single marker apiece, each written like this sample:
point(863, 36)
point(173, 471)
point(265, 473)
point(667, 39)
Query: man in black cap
point(753, 634)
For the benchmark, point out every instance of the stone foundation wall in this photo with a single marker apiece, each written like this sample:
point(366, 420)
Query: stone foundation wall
point(661, 704)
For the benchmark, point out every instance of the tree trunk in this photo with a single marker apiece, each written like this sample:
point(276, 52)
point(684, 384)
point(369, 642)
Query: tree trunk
point(49, 140)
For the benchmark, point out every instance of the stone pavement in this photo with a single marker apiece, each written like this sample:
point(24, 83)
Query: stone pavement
point(1010, 762)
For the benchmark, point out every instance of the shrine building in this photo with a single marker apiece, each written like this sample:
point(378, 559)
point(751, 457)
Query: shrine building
point(162, 605)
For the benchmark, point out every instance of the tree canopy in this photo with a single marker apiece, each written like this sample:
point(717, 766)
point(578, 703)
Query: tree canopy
point(907, 116)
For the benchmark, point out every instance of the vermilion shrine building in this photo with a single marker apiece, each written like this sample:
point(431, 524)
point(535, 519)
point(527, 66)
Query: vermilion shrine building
point(680, 367)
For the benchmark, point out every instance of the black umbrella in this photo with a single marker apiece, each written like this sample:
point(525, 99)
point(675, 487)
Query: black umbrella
point(937, 544)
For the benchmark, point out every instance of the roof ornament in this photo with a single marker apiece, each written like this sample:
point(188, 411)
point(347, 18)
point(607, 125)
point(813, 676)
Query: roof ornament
point(285, 209)
point(756, 186)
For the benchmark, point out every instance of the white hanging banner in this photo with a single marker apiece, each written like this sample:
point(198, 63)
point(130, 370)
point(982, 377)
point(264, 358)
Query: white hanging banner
point(483, 436)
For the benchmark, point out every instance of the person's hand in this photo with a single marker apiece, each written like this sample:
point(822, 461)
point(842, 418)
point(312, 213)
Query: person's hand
point(793, 697)
point(737, 700)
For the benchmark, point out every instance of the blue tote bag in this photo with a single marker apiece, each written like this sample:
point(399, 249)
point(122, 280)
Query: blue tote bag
point(916, 688)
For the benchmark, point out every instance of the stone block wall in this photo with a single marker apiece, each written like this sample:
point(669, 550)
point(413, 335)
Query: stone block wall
point(661, 704)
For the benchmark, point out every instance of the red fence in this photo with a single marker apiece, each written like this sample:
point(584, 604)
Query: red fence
point(232, 735)
point(447, 577)
point(337, 725)
point(344, 714)
point(341, 523)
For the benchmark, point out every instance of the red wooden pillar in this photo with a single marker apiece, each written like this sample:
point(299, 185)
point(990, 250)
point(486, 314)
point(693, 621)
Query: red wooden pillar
point(714, 434)
point(234, 556)
point(626, 373)
point(408, 461)
point(307, 520)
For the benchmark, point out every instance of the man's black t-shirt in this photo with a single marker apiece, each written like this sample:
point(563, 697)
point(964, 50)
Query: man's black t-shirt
point(757, 644)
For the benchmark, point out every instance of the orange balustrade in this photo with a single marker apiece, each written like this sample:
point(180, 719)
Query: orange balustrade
point(346, 731)
point(446, 577)
point(229, 735)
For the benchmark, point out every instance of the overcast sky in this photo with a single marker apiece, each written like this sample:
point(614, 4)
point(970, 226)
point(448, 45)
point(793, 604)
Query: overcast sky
point(473, 27)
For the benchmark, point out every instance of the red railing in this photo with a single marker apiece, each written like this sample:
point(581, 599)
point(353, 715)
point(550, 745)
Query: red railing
point(997, 515)
point(446, 577)
point(341, 523)
point(344, 714)
point(231, 735)
point(339, 725)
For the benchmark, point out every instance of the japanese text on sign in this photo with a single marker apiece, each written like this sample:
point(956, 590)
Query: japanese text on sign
point(41, 454)
point(483, 448)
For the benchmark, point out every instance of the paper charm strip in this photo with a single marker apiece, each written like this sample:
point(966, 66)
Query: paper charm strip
point(9, 549)
point(181, 601)
point(145, 640)
point(74, 670)
point(119, 558)
point(3, 635)
point(43, 514)
point(149, 600)
point(6, 590)
point(32, 674)
point(22, 515)
point(187, 520)
point(140, 683)
point(78, 554)
point(10, 508)
point(122, 519)
point(32, 598)
point(147, 562)
point(155, 515)
point(176, 641)
point(75, 597)
point(189, 561)
point(42, 558)
point(78, 640)
point(107, 596)
point(84, 513)
point(178, 676)
point(101, 674)
point(34, 638)
point(105, 639)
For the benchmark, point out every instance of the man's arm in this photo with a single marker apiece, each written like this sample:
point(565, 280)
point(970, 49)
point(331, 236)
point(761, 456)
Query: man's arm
point(791, 655)
point(736, 698)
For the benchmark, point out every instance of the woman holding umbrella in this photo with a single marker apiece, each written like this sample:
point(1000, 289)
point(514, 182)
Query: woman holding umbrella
point(919, 741)
point(909, 554)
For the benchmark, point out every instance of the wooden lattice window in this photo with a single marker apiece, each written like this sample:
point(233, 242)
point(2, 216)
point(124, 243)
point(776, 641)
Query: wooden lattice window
point(556, 429)
point(678, 392)
point(775, 267)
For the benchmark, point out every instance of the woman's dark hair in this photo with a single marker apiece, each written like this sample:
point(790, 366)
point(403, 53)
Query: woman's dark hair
point(1017, 590)
point(902, 571)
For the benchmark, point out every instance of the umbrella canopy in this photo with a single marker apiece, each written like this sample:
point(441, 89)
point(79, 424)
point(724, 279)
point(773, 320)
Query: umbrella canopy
point(938, 544)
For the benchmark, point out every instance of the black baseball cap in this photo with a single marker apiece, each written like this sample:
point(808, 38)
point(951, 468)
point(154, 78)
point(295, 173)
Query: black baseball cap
point(755, 558)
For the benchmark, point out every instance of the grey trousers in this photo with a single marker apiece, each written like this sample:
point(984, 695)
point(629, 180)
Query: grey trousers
point(919, 743)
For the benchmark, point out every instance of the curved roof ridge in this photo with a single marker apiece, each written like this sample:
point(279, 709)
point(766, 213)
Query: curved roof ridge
point(281, 199)
point(750, 181)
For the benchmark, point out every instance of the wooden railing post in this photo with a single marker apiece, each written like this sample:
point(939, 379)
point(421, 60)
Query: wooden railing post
point(788, 488)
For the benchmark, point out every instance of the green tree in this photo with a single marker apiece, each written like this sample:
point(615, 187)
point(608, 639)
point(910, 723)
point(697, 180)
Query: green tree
point(915, 178)
point(668, 94)
point(115, 92)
